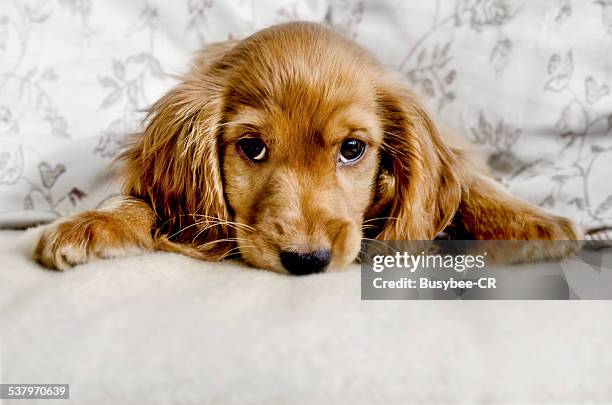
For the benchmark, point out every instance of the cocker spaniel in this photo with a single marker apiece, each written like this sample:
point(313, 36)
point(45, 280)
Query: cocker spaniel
point(288, 149)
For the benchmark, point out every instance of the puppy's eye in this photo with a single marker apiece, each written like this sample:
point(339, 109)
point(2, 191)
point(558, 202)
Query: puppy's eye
point(253, 148)
point(351, 150)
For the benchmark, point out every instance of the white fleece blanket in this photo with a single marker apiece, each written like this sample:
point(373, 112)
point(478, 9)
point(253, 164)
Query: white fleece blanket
point(163, 328)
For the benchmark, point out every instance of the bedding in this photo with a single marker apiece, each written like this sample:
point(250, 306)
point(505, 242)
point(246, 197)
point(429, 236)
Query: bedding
point(164, 328)
point(528, 82)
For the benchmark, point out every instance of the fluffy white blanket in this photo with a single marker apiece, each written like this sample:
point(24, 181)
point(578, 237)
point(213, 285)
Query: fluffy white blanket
point(163, 328)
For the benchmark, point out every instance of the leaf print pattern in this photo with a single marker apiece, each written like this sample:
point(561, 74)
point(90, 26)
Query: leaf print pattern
point(7, 124)
point(114, 138)
point(479, 16)
point(564, 12)
point(499, 139)
point(346, 16)
point(573, 119)
point(540, 110)
point(126, 81)
point(50, 175)
point(490, 13)
point(431, 74)
point(560, 71)
point(32, 86)
point(127, 84)
point(606, 14)
point(594, 91)
point(604, 206)
point(198, 10)
point(502, 136)
point(11, 165)
point(500, 55)
point(82, 10)
point(580, 124)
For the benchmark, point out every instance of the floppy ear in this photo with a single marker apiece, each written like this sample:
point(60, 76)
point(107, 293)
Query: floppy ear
point(174, 165)
point(418, 188)
point(488, 211)
point(425, 183)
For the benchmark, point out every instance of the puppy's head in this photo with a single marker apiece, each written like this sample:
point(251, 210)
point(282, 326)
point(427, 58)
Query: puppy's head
point(288, 147)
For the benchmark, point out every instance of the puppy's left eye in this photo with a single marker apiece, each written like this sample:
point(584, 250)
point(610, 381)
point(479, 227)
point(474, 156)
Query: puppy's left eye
point(351, 150)
point(253, 148)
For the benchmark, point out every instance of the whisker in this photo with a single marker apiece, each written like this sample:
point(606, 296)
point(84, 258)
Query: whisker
point(223, 221)
point(196, 224)
point(237, 248)
point(385, 218)
point(363, 253)
point(214, 221)
point(197, 235)
point(203, 230)
point(182, 229)
point(212, 226)
point(380, 243)
point(220, 241)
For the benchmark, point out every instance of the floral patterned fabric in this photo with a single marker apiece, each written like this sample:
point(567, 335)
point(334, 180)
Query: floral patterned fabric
point(529, 82)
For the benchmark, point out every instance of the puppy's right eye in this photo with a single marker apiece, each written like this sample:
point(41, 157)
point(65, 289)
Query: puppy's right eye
point(351, 150)
point(253, 148)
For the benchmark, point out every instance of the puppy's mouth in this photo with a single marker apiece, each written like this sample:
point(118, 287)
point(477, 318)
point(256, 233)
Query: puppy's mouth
point(262, 251)
point(295, 260)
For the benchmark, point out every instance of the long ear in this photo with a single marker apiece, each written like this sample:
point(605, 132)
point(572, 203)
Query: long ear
point(174, 165)
point(418, 188)
point(488, 211)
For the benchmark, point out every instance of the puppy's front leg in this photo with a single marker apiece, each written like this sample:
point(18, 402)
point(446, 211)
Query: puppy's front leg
point(122, 228)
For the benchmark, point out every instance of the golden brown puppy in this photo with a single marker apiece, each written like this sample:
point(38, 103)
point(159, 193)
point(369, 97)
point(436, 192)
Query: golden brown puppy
point(289, 148)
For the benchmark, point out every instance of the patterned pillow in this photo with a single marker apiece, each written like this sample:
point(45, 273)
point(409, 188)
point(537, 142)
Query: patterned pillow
point(529, 82)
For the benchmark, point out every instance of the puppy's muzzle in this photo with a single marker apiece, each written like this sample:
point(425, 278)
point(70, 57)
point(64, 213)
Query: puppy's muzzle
point(299, 263)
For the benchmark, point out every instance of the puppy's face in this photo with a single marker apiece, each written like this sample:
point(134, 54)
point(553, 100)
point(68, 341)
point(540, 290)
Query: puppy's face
point(281, 146)
point(299, 170)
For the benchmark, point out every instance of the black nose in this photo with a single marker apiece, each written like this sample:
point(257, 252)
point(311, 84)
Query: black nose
point(305, 263)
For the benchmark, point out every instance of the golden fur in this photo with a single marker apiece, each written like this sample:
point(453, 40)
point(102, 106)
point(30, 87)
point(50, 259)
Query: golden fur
point(302, 89)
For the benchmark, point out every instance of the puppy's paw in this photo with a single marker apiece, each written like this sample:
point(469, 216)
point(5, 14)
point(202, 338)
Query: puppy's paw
point(546, 238)
point(566, 238)
point(86, 237)
point(551, 227)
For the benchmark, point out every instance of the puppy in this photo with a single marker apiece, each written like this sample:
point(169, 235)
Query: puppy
point(289, 148)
